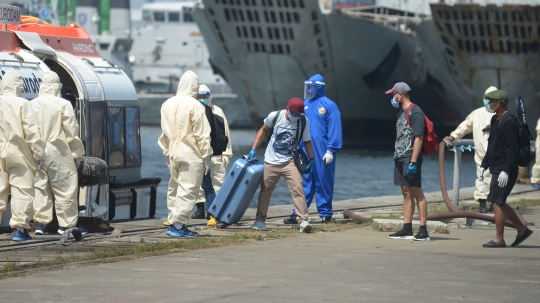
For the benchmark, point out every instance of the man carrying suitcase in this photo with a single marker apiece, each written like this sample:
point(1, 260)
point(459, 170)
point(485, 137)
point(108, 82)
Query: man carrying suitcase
point(278, 160)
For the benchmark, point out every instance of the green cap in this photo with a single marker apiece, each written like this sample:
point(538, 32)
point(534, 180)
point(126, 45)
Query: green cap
point(498, 95)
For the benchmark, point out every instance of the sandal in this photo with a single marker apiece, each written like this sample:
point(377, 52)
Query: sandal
point(494, 244)
point(520, 239)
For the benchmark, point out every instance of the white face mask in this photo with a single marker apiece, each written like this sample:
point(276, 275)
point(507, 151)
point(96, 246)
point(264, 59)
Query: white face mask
point(293, 118)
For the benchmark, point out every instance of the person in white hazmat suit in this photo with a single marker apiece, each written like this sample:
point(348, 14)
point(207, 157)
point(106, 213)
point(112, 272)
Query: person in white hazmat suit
point(535, 178)
point(220, 160)
point(186, 142)
point(58, 177)
point(21, 152)
point(478, 122)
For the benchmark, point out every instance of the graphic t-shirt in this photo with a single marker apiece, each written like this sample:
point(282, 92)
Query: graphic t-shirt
point(280, 147)
point(405, 134)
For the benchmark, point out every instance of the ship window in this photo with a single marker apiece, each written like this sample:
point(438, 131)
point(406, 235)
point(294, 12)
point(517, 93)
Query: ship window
point(263, 47)
point(159, 16)
point(246, 2)
point(216, 25)
point(440, 13)
point(249, 16)
point(535, 46)
point(439, 26)
point(221, 37)
point(256, 16)
point(460, 44)
point(506, 30)
point(322, 54)
point(266, 17)
point(234, 15)
point(273, 16)
point(269, 30)
point(288, 48)
point(244, 29)
point(479, 15)
point(264, 2)
point(260, 32)
point(98, 129)
point(286, 3)
point(463, 15)
point(281, 19)
point(518, 49)
point(270, 3)
point(475, 46)
point(241, 15)
point(116, 136)
point(133, 137)
point(256, 47)
point(481, 29)
point(325, 64)
point(293, 3)
point(520, 18)
point(449, 51)
point(525, 47)
point(504, 16)
point(486, 15)
point(224, 1)
point(473, 30)
point(211, 11)
point(291, 33)
point(301, 3)
point(465, 30)
point(276, 33)
point(445, 40)
point(272, 48)
point(288, 17)
point(447, 14)
point(226, 49)
point(296, 17)
point(468, 45)
point(488, 27)
point(499, 33)
point(253, 32)
point(497, 16)
point(320, 43)
point(280, 49)
point(523, 34)
point(317, 28)
point(104, 46)
point(285, 36)
point(456, 15)
point(238, 32)
point(452, 62)
point(279, 3)
point(501, 49)
point(227, 16)
point(314, 15)
point(508, 46)
point(174, 17)
point(248, 47)
point(491, 46)
point(449, 28)
point(538, 30)
point(484, 46)
point(470, 15)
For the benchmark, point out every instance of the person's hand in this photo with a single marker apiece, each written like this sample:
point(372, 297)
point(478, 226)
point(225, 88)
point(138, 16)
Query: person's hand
point(503, 179)
point(411, 168)
point(225, 160)
point(40, 164)
point(311, 165)
point(480, 173)
point(449, 138)
point(251, 155)
point(328, 157)
point(207, 165)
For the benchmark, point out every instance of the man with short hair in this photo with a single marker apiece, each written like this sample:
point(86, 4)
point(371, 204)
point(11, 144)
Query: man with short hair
point(278, 160)
point(408, 161)
point(502, 158)
point(478, 122)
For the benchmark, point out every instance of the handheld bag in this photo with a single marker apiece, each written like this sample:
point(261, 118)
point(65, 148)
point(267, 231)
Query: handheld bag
point(299, 156)
point(430, 142)
point(237, 190)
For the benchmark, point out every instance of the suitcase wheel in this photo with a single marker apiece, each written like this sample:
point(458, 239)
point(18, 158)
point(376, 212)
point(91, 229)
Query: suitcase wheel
point(222, 225)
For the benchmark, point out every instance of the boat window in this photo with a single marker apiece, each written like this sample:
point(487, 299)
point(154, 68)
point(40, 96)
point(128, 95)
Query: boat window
point(104, 46)
point(159, 16)
point(116, 127)
point(133, 137)
point(174, 17)
point(146, 16)
point(187, 15)
point(97, 129)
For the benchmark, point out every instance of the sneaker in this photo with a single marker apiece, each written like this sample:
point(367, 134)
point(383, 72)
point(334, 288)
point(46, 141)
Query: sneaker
point(211, 222)
point(61, 230)
point(41, 229)
point(199, 214)
point(258, 225)
point(520, 239)
point(402, 234)
point(305, 227)
point(291, 220)
point(328, 219)
point(169, 230)
point(83, 231)
point(536, 185)
point(20, 236)
point(182, 232)
point(166, 223)
point(422, 235)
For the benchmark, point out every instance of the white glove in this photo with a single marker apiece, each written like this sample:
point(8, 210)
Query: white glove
point(503, 179)
point(40, 164)
point(225, 160)
point(480, 173)
point(207, 165)
point(328, 157)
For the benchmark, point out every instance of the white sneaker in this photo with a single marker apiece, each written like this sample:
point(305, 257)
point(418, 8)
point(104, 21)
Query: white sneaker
point(305, 227)
point(258, 225)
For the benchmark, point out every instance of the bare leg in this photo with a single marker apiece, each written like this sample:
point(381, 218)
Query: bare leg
point(418, 195)
point(514, 218)
point(499, 222)
point(408, 205)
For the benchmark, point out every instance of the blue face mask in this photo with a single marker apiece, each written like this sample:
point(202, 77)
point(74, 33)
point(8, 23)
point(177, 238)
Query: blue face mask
point(293, 118)
point(486, 102)
point(204, 101)
point(394, 103)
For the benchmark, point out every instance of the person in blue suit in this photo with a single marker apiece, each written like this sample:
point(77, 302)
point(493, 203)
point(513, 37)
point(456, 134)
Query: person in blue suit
point(325, 126)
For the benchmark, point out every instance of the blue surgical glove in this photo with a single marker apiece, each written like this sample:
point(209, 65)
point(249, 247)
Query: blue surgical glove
point(411, 169)
point(251, 155)
point(310, 165)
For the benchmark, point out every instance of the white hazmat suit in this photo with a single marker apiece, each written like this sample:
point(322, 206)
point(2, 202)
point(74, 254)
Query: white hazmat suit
point(58, 178)
point(536, 168)
point(21, 148)
point(218, 169)
point(476, 122)
point(186, 142)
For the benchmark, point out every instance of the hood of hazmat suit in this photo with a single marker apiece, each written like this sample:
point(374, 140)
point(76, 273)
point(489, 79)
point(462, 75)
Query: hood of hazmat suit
point(476, 123)
point(204, 94)
point(186, 131)
point(20, 147)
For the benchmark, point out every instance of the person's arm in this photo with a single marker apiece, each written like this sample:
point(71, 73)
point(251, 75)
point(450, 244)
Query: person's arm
point(261, 134)
point(71, 130)
point(418, 126)
point(309, 149)
point(511, 136)
point(32, 132)
point(464, 128)
point(417, 148)
point(335, 140)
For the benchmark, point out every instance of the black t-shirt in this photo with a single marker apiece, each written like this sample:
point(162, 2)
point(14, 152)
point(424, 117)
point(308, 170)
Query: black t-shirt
point(405, 134)
point(503, 145)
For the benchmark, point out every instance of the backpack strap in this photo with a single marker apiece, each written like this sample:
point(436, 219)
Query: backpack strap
point(303, 127)
point(408, 114)
point(500, 132)
point(275, 119)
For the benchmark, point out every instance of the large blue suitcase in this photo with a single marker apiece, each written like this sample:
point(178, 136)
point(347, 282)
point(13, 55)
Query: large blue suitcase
point(237, 190)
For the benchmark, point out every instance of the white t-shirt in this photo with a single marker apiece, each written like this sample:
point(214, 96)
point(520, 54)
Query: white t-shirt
point(280, 147)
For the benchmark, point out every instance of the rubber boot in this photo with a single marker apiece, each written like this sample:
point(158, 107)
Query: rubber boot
point(291, 220)
point(199, 214)
point(211, 222)
point(483, 208)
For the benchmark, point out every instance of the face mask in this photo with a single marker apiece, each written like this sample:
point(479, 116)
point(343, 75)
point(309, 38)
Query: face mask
point(486, 102)
point(394, 103)
point(204, 101)
point(293, 118)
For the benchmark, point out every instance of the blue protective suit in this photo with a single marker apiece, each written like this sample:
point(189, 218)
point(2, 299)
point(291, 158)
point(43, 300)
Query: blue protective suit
point(325, 127)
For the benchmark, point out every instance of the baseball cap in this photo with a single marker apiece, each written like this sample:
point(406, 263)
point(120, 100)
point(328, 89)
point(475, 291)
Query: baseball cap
point(296, 105)
point(498, 95)
point(400, 87)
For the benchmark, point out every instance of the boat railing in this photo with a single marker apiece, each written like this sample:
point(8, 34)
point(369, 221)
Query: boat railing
point(402, 20)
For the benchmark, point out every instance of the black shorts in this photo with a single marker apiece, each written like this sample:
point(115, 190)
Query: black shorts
point(499, 194)
point(400, 170)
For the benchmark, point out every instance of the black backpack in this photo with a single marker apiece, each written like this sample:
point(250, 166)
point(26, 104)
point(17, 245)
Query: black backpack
point(524, 135)
point(218, 139)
